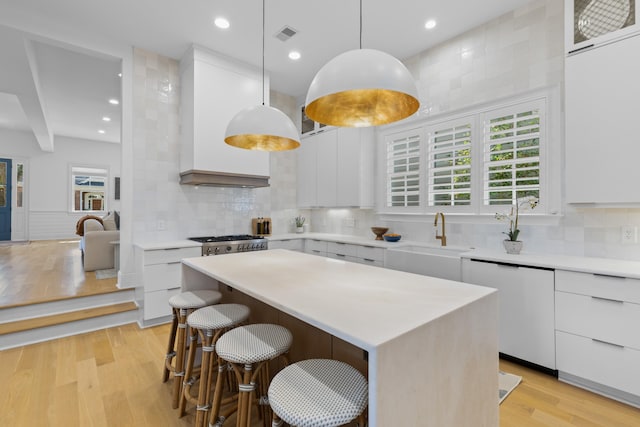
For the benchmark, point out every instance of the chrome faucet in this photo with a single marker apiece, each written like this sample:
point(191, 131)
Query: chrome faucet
point(442, 237)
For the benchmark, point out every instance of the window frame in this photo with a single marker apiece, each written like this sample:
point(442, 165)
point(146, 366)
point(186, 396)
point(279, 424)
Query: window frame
point(551, 153)
point(91, 170)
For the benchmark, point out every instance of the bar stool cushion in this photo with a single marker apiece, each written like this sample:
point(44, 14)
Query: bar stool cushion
point(254, 343)
point(194, 299)
point(318, 393)
point(218, 316)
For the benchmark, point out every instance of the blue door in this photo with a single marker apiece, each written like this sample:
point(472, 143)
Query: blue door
point(5, 199)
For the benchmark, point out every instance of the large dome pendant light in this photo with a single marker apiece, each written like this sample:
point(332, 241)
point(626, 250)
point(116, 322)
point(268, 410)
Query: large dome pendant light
point(262, 127)
point(360, 88)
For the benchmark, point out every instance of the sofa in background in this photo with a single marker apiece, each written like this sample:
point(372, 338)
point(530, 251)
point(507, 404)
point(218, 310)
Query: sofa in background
point(96, 246)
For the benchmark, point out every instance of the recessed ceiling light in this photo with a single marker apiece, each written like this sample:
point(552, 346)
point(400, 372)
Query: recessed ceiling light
point(101, 131)
point(119, 74)
point(221, 23)
point(114, 101)
point(106, 119)
point(295, 55)
point(430, 24)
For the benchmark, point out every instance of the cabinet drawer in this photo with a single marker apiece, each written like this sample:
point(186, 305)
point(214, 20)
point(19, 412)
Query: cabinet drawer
point(342, 257)
point(162, 276)
point(371, 252)
point(610, 287)
point(598, 318)
point(314, 246)
point(156, 304)
point(160, 256)
point(291, 244)
point(342, 249)
point(596, 361)
point(369, 261)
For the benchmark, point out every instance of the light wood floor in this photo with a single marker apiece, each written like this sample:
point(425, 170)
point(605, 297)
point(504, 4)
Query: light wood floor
point(45, 271)
point(113, 377)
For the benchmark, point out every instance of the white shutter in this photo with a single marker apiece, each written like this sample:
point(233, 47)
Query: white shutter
point(512, 143)
point(403, 169)
point(450, 164)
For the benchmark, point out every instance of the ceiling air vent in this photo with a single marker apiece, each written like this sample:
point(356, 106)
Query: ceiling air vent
point(286, 33)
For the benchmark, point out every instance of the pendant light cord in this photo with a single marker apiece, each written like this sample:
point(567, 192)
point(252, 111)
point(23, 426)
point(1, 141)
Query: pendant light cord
point(263, 52)
point(360, 24)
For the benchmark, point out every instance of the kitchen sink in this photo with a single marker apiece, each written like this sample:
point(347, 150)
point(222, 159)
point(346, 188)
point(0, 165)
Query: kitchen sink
point(436, 261)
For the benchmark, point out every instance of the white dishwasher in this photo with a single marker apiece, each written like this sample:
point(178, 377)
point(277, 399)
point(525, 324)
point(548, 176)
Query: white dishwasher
point(526, 307)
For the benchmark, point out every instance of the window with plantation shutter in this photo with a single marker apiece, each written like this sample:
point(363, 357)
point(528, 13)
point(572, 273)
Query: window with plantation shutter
point(403, 169)
point(449, 165)
point(512, 153)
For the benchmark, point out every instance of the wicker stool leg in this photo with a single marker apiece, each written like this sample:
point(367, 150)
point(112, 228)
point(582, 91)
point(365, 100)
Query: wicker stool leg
point(179, 366)
point(203, 406)
point(190, 375)
point(171, 352)
point(244, 393)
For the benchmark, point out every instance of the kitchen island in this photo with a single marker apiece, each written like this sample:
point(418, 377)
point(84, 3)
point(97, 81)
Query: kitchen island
point(432, 344)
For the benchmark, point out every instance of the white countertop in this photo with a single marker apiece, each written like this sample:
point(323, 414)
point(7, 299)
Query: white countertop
point(341, 238)
point(362, 304)
point(606, 266)
point(149, 246)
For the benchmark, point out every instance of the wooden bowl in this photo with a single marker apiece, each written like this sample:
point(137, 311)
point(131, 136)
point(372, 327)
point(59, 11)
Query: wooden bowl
point(379, 232)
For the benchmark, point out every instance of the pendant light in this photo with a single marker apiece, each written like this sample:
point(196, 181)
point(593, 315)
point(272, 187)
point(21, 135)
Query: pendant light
point(262, 127)
point(360, 88)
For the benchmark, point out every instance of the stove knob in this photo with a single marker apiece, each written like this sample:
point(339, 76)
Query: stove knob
point(216, 250)
point(228, 249)
point(241, 248)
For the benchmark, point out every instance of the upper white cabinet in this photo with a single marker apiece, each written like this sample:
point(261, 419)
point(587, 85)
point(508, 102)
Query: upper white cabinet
point(595, 22)
point(214, 88)
point(602, 138)
point(335, 169)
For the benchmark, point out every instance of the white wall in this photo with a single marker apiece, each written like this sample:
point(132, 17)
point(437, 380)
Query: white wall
point(520, 51)
point(48, 179)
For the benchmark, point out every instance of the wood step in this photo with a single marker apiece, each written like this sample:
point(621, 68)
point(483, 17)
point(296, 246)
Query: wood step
point(71, 316)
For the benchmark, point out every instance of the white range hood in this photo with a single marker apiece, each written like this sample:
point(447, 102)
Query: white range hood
point(213, 89)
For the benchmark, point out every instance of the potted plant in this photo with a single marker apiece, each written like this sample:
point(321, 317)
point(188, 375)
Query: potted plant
point(299, 223)
point(512, 245)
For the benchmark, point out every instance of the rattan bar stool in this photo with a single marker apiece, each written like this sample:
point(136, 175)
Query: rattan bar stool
point(209, 322)
point(182, 304)
point(248, 350)
point(318, 393)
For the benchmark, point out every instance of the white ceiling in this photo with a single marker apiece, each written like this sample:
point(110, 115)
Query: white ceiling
point(63, 90)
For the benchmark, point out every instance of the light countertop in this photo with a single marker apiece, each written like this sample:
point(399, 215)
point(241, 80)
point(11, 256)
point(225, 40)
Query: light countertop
point(361, 304)
point(149, 246)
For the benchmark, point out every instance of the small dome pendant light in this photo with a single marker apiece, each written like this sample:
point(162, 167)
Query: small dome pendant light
point(262, 127)
point(361, 88)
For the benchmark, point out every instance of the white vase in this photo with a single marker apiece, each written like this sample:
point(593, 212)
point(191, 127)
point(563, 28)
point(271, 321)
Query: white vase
point(299, 229)
point(512, 246)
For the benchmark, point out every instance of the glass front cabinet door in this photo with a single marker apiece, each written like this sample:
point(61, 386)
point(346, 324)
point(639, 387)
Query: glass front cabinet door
point(593, 22)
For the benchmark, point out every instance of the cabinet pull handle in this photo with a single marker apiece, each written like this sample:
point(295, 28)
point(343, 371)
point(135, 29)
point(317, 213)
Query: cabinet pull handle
point(341, 255)
point(607, 343)
point(580, 49)
point(608, 299)
point(369, 259)
point(608, 276)
point(503, 265)
point(339, 243)
point(369, 247)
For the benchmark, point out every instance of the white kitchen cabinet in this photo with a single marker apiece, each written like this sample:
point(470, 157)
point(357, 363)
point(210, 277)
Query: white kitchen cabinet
point(159, 271)
point(315, 247)
point(597, 342)
point(526, 308)
point(602, 141)
point(213, 89)
point(335, 169)
point(290, 244)
point(597, 22)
